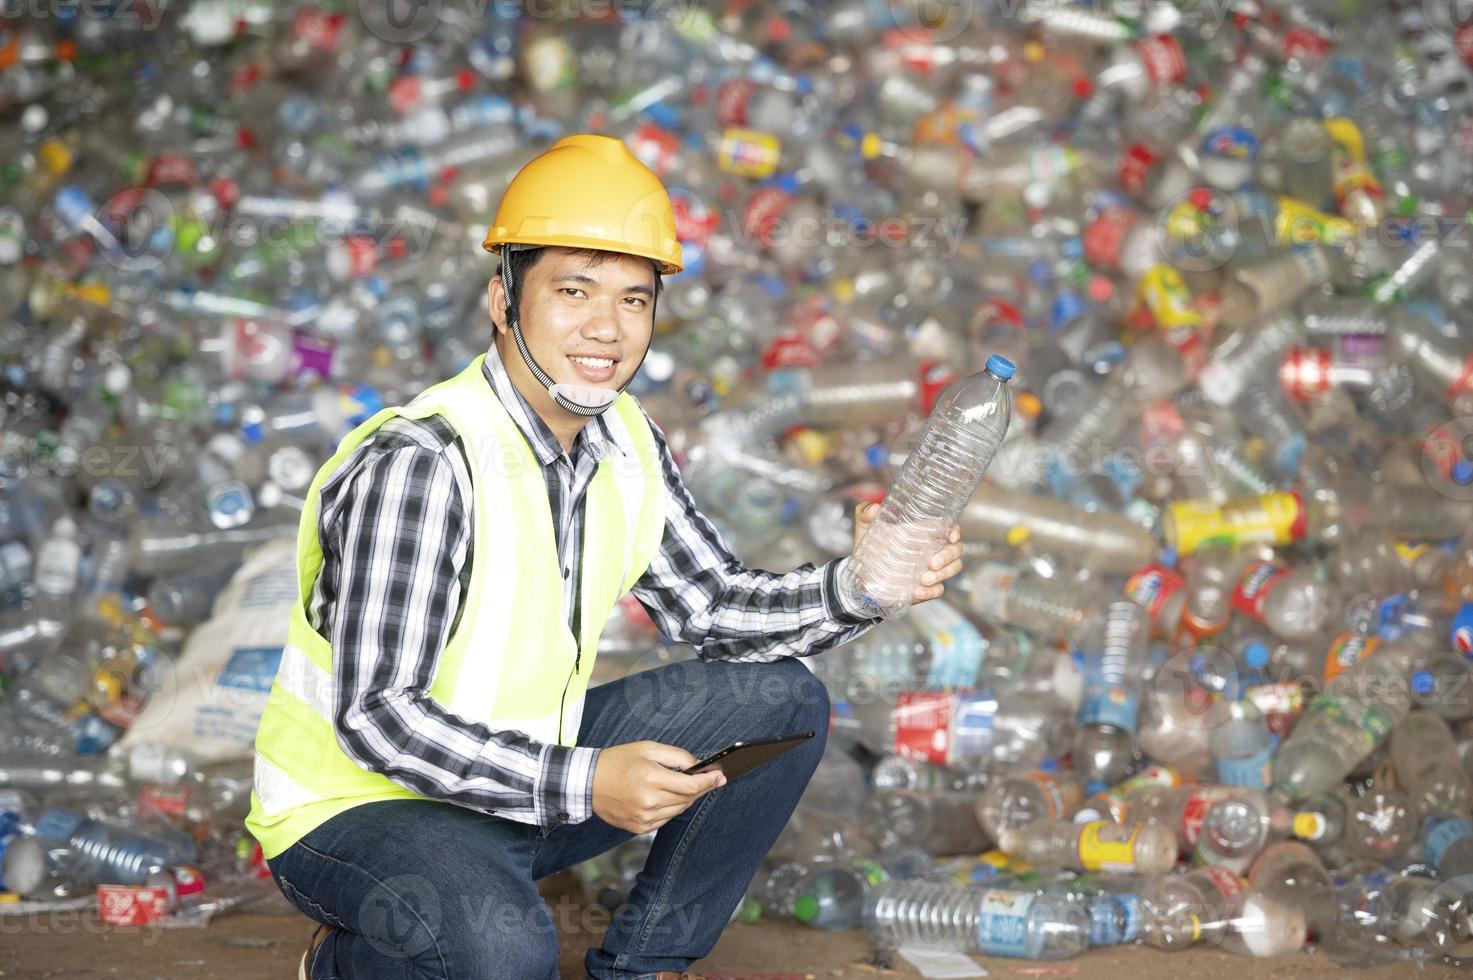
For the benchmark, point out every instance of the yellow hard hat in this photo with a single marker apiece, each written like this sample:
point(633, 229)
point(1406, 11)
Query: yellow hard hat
point(588, 192)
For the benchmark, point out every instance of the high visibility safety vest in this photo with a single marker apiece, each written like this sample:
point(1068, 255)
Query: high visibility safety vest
point(512, 662)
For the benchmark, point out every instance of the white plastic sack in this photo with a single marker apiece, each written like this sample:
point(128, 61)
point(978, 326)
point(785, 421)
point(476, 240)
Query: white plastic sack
point(210, 702)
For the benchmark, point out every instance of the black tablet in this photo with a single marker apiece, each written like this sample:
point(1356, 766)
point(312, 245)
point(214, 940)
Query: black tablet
point(741, 757)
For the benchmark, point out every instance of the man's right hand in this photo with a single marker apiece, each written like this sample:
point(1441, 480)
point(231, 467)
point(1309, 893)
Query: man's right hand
point(639, 787)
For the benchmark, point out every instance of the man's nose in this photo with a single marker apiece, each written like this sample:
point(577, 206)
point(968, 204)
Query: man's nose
point(602, 326)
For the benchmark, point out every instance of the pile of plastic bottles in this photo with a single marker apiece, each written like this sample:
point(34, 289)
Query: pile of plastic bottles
point(1205, 678)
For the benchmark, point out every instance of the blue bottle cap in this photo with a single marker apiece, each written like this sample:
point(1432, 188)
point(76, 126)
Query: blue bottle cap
point(1423, 683)
point(1000, 366)
point(1255, 655)
point(875, 455)
point(1169, 557)
point(1463, 472)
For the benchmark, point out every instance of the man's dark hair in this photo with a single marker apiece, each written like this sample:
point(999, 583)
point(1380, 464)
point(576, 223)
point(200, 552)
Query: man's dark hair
point(522, 260)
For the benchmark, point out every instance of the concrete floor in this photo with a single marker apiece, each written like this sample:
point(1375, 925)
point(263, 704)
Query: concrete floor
point(266, 945)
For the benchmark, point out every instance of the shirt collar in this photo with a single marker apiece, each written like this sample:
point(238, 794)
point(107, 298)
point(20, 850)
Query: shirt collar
point(594, 438)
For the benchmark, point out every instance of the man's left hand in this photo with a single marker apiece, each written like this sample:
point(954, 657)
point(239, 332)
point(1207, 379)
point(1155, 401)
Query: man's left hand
point(945, 563)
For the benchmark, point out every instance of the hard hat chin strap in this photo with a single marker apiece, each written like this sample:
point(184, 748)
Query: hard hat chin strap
point(584, 400)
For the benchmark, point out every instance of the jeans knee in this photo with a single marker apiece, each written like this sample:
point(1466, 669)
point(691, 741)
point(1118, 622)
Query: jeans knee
point(528, 949)
point(804, 695)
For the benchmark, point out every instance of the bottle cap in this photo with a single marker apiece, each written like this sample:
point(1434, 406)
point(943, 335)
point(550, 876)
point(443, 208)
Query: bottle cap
point(1423, 683)
point(1256, 655)
point(1000, 366)
point(805, 908)
point(1309, 826)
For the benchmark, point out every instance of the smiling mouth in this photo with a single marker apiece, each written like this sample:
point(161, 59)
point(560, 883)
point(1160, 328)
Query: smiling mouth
point(594, 369)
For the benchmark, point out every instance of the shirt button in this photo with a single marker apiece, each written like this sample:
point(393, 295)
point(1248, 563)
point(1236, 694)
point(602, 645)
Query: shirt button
point(562, 816)
point(567, 572)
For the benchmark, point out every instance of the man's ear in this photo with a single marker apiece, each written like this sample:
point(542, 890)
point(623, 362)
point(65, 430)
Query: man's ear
point(496, 303)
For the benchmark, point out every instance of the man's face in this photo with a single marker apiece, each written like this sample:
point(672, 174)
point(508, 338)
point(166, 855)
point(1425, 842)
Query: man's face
point(586, 324)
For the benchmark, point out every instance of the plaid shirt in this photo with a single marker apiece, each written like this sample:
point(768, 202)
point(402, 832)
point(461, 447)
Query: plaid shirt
point(395, 526)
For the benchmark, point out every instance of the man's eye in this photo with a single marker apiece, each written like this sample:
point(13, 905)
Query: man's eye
point(638, 300)
point(571, 290)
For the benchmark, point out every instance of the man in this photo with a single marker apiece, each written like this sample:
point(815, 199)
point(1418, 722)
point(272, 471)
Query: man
point(430, 748)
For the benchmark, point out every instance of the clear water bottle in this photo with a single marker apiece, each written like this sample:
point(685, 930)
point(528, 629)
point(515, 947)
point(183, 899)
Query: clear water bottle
point(1100, 540)
point(1373, 823)
point(1019, 799)
point(1355, 713)
point(995, 922)
point(941, 822)
point(1425, 756)
point(833, 897)
point(1293, 875)
point(1099, 845)
point(1237, 827)
point(1180, 910)
point(1104, 748)
point(1242, 746)
point(938, 478)
point(1057, 608)
point(99, 853)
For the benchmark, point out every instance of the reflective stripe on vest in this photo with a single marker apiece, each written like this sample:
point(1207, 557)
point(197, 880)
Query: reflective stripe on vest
point(512, 663)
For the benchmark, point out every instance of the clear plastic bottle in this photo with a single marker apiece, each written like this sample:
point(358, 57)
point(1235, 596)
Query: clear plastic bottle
point(1292, 602)
point(1374, 822)
point(49, 771)
point(1020, 799)
point(58, 564)
point(1100, 845)
point(1257, 290)
point(1100, 540)
point(976, 731)
point(1442, 361)
point(1104, 747)
point(1353, 362)
point(1142, 65)
point(940, 822)
point(1114, 802)
point(185, 598)
point(994, 922)
point(1237, 827)
point(99, 853)
point(1057, 608)
point(833, 897)
point(1258, 925)
point(1424, 755)
point(1245, 356)
point(1351, 717)
point(776, 887)
point(1243, 747)
point(939, 477)
point(1409, 909)
point(1180, 910)
point(1293, 875)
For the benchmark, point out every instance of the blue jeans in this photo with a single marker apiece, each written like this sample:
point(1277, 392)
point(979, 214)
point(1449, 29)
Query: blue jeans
point(425, 890)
